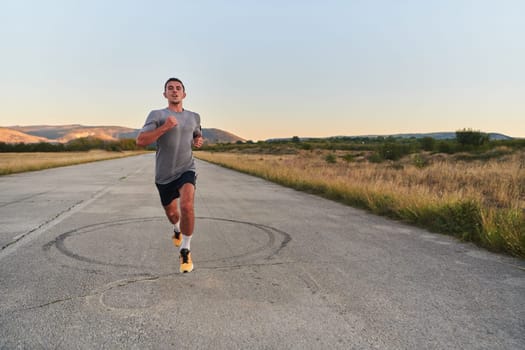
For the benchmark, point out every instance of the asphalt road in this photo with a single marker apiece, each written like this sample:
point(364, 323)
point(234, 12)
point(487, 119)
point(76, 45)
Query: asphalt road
point(87, 263)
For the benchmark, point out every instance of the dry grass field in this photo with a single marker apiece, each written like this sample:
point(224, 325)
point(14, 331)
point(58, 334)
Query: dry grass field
point(11, 163)
point(482, 201)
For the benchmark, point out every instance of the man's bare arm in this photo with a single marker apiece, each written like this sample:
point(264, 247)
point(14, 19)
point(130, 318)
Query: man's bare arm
point(148, 137)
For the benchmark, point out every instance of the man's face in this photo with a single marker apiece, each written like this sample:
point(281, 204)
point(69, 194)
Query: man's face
point(174, 92)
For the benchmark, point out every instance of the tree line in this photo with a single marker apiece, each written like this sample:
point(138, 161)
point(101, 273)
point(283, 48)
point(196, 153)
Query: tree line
point(383, 147)
point(76, 145)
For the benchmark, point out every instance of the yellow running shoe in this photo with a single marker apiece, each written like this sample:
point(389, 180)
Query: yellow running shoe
point(186, 265)
point(177, 238)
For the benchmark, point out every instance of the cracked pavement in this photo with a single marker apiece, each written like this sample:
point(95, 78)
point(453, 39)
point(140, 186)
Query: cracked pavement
point(87, 262)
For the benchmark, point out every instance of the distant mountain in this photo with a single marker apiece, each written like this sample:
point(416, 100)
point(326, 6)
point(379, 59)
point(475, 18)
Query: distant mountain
point(8, 135)
point(219, 136)
point(66, 133)
point(442, 135)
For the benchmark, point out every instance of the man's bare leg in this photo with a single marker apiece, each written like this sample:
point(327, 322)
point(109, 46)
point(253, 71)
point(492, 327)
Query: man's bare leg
point(187, 223)
point(187, 216)
point(172, 212)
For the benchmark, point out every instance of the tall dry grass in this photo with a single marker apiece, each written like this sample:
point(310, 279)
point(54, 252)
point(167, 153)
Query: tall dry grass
point(479, 201)
point(11, 163)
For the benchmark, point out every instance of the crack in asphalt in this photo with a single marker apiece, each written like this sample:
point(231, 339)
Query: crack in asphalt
point(23, 199)
point(141, 278)
point(12, 246)
point(58, 217)
point(96, 292)
point(58, 243)
point(45, 223)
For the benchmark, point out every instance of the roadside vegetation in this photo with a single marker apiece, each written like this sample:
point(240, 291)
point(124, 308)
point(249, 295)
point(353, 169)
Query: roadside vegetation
point(470, 187)
point(11, 163)
point(16, 158)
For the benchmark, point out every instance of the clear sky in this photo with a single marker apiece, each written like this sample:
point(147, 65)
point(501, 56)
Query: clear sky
point(272, 68)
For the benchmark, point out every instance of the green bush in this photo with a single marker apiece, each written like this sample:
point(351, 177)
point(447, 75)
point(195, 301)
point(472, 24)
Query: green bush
point(305, 146)
point(428, 143)
point(446, 147)
point(420, 161)
point(349, 157)
point(394, 150)
point(375, 158)
point(331, 158)
point(468, 137)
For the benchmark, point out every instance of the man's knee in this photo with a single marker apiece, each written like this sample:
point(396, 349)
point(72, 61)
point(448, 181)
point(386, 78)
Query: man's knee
point(172, 214)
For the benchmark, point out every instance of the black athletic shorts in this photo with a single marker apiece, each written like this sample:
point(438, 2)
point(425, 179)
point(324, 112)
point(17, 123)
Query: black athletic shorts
point(170, 191)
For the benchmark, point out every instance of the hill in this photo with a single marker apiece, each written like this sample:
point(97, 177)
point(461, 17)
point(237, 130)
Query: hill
point(219, 136)
point(66, 133)
point(8, 135)
point(444, 135)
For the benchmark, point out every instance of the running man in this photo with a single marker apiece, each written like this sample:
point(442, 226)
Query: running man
point(175, 130)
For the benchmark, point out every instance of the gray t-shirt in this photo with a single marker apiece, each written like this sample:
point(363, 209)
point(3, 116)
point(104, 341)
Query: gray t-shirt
point(174, 153)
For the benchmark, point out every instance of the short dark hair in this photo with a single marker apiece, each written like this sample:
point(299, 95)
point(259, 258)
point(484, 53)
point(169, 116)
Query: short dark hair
point(174, 79)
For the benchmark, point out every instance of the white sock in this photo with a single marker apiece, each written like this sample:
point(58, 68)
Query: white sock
point(185, 242)
point(176, 227)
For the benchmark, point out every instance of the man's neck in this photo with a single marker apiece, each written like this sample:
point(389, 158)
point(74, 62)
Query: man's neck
point(175, 107)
